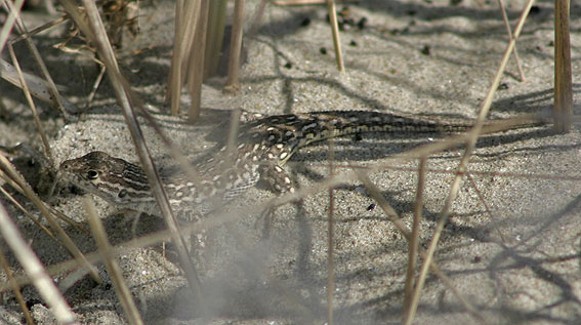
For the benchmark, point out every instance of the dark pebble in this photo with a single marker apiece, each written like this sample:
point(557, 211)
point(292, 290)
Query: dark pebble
point(362, 23)
point(503, 86)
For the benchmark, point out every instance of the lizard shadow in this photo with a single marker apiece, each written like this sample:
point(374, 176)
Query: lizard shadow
point(365, 151)
point(376, 144)
point(377, 147)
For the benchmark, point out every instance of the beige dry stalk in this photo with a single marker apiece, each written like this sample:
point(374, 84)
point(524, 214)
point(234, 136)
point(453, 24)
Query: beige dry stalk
point(11, 173)
point(473, 134)
point(233, 82)
point(127, 100)
point(111, 264)
point(15, 288)
point(63, 106)
point(186, 21)
point(35, 270)
point(563, 95)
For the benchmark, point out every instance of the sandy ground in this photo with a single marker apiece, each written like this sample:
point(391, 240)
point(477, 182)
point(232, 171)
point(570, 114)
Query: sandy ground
point(511, 248)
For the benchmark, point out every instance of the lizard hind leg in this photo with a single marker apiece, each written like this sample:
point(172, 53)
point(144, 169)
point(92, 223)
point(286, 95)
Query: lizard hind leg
point(277, 180)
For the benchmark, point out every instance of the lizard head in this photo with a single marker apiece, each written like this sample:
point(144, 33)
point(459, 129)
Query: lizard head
point(113, 179)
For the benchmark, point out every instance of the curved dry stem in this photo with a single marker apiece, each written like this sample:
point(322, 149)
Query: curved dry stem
point(35, 270)
point(21, 183)
point(470, 145)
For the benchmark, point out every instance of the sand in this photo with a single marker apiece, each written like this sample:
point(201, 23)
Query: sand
point(511, 247)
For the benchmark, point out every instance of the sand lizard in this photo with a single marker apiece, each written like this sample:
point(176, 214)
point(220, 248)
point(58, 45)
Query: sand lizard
point(264, 146)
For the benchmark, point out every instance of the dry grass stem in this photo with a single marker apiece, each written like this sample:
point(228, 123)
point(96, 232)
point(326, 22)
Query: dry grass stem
point(306, 2)
point(15, 288)
point(392, 216)
point(35, 271)
point(52, 89)
point(19, 206)
point(111, 264)
point(186, 22)
point(96, 85)
point(331, 239)
point(218, 219)
point(482, 200)
point(335, 31)
point(93, 258)
point(125, 99)
point(37, 123)
point(37, 86)
point(509, 33)
point(454, 141)
point(10, 20)
point(470, 145)
point(233, 81)
point(563, 94)
point(215, 36)
point(11, 173)
point(40, 29)
point(468, 172)
point(222, 218)
point(176, 78)
point(196, 62)
point(414, 243)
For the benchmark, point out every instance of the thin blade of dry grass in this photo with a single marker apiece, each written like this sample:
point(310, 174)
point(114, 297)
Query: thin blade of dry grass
point(186, 17)
point(233, 82)
point(215, 38)
point(392, 216)
point(35, 270)
point(63, 106)
point(9, 23)
point(196, 62)
point(176, 78)
point(36, 119)
point(15, 288)
point(111, 264)
point(126, 99)
point(485, 204)
point(19, 206)
point(563, 94)
point(222, 218)
point(306, 2)
point(413, 244)
point(39, 29)
point(25, 188)
point(335, 31)
point(96, 85)
point(331, 239)
point(509, 33)
point(470, 145)
point(37, 86)
point(461, 139)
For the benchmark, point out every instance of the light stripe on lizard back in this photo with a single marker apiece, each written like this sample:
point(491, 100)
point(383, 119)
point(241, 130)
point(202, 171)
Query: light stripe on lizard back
point(264, 144)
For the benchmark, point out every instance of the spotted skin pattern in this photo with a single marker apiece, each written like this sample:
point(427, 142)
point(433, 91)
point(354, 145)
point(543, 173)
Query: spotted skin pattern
point(264, 145)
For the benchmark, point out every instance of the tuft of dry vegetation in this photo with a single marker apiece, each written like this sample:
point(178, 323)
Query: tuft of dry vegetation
point(458, 233)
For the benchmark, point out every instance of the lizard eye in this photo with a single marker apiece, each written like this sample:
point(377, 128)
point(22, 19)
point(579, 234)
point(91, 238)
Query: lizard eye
point(92, 174)
point(123, 193)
